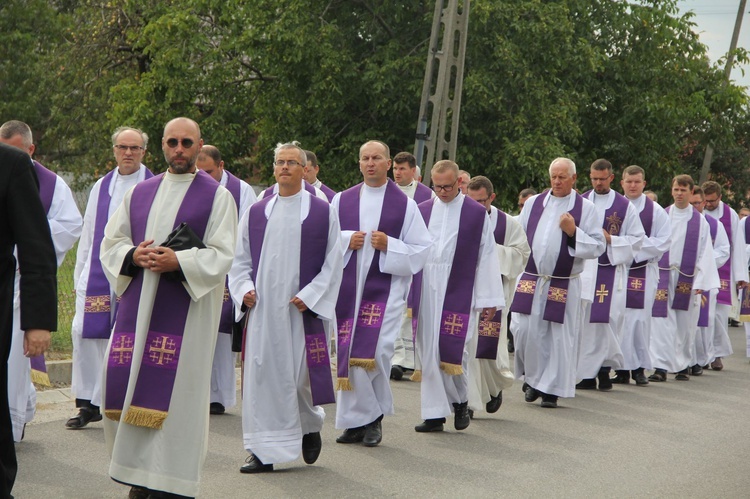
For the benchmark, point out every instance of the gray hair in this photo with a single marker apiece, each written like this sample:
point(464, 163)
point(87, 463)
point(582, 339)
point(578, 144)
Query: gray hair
point(290, 145)
point(567, 161)
point(121, 129)
point(14, 127)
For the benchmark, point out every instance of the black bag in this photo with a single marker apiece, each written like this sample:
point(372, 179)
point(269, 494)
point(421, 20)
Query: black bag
point(181, 238)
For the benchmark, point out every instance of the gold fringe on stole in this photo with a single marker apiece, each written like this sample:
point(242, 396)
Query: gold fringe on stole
point(343, 384)
point(367, 364)
point(744, 318)
point(148, 418)
point(113, 414)
point(451, 369)
point(416, 375)
point(40, 378)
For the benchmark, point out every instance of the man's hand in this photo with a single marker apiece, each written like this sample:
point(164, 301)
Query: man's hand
point(698, 291)
point(163, 259)
point(35, 342)
point(488, 313)
point(249, 299)
point(379, 240)
point(357, 241)
point(607, 236)
point(568, 224)
point(742, 284)
point(141, 254)
point(298, 303)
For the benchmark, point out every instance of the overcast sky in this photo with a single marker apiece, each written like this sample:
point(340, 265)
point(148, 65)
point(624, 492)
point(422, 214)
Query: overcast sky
point(715, 24)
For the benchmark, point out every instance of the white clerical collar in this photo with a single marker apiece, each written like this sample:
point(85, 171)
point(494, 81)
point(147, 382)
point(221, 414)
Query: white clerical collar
point(137, 175)
point(718, 212)
point(304, 208)
point(570, 198)
point(224, 178)
point(376, 189)
point(638, 202)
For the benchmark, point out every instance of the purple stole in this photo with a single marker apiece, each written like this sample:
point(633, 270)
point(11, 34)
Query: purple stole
point(557, 295)
point(422, 193)
point(745, 300)
point(97, 308)
point(312, 257)
point(356, 345)
point(159, 360)
point(459, 291)
point(489, 331)
point(637, 274)
point(605, 275)
point(713, 226)
point(684, 287)
point(725, 271)
point(227, 310)
point(330, 193)
point(270, 191)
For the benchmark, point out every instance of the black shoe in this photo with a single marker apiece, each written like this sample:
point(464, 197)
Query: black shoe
point(524, 387)
point(397, 373)
point(549, 401)
point(696, 370)
point(461, 419)
point(640, 378)
point(511, 346)
point(605, 383)
point(494, 404)
point(621, 378)
point(311, 446)
point(216, 408)
point(430, 425)
point(531, 394)
point(254, 465)
point(351, 436)
point(138, 493)
point(683, 375)
point(587, 384)
point(85, 416)
point(373, 433)
point(659, 375)
point(471, 414)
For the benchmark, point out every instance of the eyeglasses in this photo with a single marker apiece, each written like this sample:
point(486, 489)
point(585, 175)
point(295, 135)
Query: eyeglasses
point(289, 162)
point(444, 188)
point(696, 203)
point(123, 148)
point(186, 143)
point(482, 201)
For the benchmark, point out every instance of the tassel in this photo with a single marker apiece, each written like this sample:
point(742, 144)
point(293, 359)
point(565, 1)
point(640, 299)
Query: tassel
point(40, 378)
point(148, 418)
point(416, 375)
point(451, 369)
point(744, 318)
point(366, 364)
point(113, 414)
point(343, 384)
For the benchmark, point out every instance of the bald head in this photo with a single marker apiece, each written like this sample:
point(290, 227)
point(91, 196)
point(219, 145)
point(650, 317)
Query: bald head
point(209, 160)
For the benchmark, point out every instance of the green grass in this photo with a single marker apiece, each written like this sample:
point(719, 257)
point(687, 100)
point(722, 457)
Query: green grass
point(62, 344)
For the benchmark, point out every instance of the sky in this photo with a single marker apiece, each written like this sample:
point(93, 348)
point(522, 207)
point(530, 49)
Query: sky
point(715, 24)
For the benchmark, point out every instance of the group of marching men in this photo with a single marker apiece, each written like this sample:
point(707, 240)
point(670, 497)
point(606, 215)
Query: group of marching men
point(391, 276)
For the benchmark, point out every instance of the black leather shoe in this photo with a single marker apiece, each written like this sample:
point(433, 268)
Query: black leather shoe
point(549, 401)
point(373, 433)
point(461, 419)
point(640, 378)
point(605, 383)
point(216, 408)
point(587, 384)
point(494, 404)
point(511, 345)
point(254, 465)
point(696, 370)
point(397, 373)
point(138, 493)
point(311, 446)
point(430, 425)
point(621, 378)
point(531, 394)
point(351, 436)
point(85, 416)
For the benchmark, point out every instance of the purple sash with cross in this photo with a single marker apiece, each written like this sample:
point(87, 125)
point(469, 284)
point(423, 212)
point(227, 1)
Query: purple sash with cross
point(713, 226)
point(605, 275)
point(274, 189)
point(226, 322)
point(745, 297)
point(459, 291)
point(314, 241)
point(725, 271)
point(557, 295)
point(159, 360)
point(489, 331)
point(358, 334)
point(684, 288)
point(635, 297)
point(97, 308)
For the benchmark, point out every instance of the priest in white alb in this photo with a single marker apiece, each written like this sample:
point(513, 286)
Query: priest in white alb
point(286, 276)
point(166, 252)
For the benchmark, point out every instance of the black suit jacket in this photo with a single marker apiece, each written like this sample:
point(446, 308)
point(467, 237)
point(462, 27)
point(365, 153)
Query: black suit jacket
point(23, 223)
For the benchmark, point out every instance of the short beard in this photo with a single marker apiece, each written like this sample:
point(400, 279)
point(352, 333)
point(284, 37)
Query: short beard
point(182, 169)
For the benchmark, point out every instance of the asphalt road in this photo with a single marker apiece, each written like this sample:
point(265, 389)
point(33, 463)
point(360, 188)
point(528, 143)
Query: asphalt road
point(664, 440)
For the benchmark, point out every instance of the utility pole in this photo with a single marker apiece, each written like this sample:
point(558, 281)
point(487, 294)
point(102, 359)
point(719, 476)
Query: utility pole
point(706, 168)
point(443, 81)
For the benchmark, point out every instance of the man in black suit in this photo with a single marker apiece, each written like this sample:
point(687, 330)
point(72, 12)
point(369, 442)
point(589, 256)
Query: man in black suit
point(23, 224)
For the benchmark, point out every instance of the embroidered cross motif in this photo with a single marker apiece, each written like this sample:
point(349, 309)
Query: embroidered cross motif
point(602, 293)
point(724, 284)
point(488, 328)
point(99, 303)
point(661, 295)
point(316, 351)
point(453, 324)
point(122, 350)
point(526, 286)
point(162, 351)
point(636, 283)
point(345, 330)
point(613, 224)
point(557, 294)
point(226, 294)
point(369, 315)
point(684, 288)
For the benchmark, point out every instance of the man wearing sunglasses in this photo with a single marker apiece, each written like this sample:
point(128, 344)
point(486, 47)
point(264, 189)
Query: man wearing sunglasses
point(95, 300)
point(166, 253)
